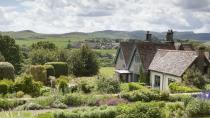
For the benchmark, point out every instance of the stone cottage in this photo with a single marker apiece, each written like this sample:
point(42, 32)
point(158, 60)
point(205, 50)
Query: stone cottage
point(147, 55)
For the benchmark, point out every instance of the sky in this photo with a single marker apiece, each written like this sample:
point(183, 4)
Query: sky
point(62, 16)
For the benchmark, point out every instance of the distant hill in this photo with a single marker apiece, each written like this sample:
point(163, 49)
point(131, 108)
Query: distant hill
point(27, 34)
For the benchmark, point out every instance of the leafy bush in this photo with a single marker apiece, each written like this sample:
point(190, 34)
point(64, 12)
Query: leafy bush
point(207, 87)
point(61, 68)
point(85, 86)
point(42, 56)
point(77, 99)
point(39, 73)
point(20, 94)
point(27, 85)
point(7, 71)
point(62, 85)
point(181, 88)
point(108, 85)
point(112, 101)
point(197, 107)
point(194, 77)
point(83, 62)
point(58, 104)
point(140, 110)
point(140, 96)
point(6, 86)
point(174, 110)
point(44, 45)
point(101, 112)
point(10, 104)
point(30, 106)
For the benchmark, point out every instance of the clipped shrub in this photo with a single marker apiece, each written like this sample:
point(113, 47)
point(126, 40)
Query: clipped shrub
point(61, 68)
point(108, 85)
point(3, 88)
point(181, 88)
point(50, 70)
point(20, 94)
point(39, 73)
point(7, 71)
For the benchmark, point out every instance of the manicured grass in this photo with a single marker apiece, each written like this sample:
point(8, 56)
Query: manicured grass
point(107, 71)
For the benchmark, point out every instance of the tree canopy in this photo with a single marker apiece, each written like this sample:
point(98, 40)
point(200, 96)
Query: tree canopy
point(11, 51)
point(83, 62)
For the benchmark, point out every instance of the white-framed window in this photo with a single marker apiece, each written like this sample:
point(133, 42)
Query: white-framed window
point(157, 81)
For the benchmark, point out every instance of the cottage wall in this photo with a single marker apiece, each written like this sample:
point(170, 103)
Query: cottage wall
point(164, 80)
point(135, 64)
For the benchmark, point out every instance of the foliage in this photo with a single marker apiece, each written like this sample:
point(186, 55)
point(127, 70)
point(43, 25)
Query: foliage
point(1, 57)
point(143, 78)
point(108, 85)
point(58, 104)
point(42, 56)
point(83, 62)
point(194, 77)
point(126, 87)
point(85, 86)
point(27, 85)
point(20, 94)
point(139, 95)
point(174, 110)
point(11, 51)
point(101, 112)
point(61, 68)
point(50, 70)
point(39, 73)
point(181, 88)
point(62, 85)
point(77, 99)
point(197, 107)
point(140, 110)
point(30, 106)
point(7, 71)
point(9, 104)
point(6, 86)
point(44, 45)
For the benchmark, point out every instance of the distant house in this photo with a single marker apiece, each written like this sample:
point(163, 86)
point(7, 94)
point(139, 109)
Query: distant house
point(132, 56)
point(170, 65)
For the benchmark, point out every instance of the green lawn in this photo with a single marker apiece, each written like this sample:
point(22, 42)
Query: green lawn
point(107, 71)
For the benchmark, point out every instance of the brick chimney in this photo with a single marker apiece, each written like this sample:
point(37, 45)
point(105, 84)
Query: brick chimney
point(201, 60)
point(169, 36)
point(148, 36)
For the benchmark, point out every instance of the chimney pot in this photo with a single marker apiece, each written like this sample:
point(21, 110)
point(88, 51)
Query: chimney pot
point(169, 36)
point(148, 36)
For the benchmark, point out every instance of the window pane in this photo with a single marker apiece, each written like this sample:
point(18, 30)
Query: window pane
point(157, 81)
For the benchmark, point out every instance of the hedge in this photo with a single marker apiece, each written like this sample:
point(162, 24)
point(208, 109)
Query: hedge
point(50, 70)
point(61, 68)
point(39, 73)
point(181, 88)
point(7, 71)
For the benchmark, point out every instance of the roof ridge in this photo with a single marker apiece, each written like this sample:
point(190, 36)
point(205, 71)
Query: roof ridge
point(175, 50)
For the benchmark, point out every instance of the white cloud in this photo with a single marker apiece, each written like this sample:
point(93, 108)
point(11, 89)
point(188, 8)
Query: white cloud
point(60, 16)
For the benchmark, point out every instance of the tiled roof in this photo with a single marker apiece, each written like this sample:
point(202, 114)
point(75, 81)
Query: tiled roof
point(127, 48)
point(147, 51)
point(174, 62)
